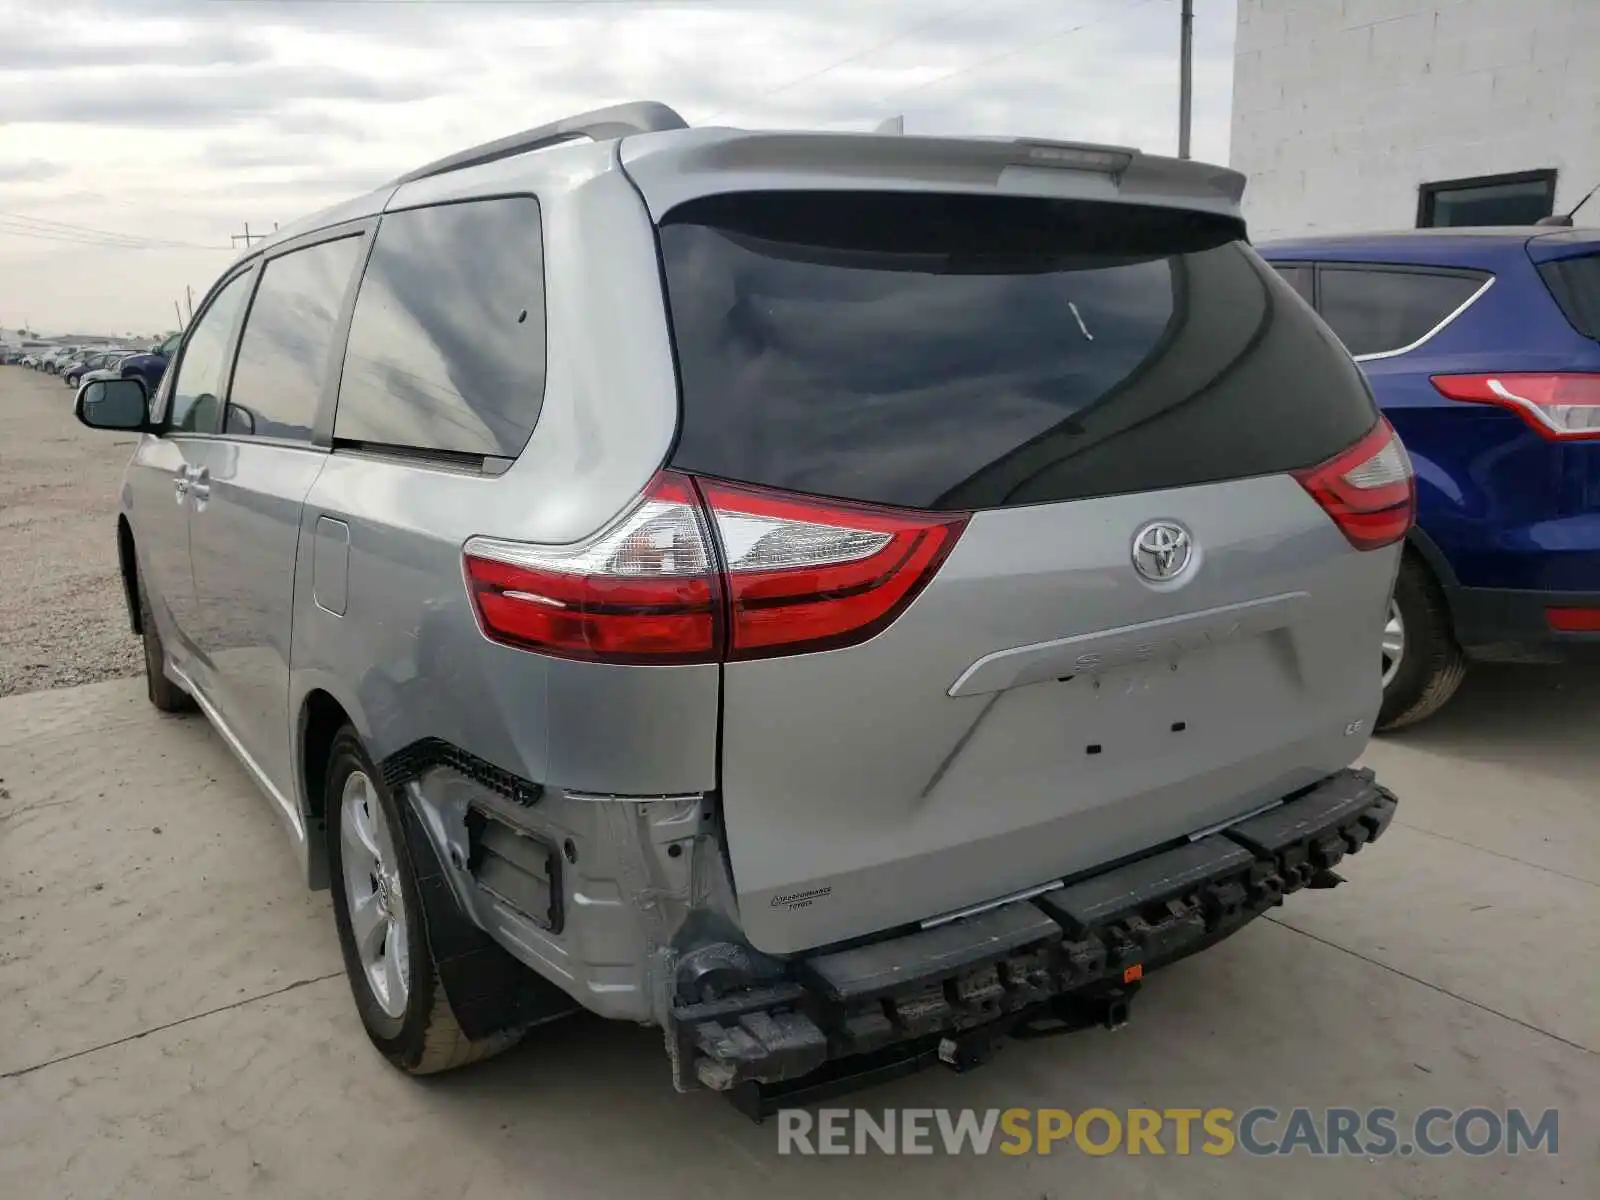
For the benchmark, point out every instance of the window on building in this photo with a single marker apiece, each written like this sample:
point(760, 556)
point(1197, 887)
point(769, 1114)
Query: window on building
point(283, 352)
point(1519, 199)
point(1377, 311)
point(447, 342)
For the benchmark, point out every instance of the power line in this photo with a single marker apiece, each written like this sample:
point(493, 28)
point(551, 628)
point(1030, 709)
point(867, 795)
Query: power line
point(903, 35)
point(1031, 46)
point(23, 224)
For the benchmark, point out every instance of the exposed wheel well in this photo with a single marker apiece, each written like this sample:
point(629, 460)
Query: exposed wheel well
point(130, 573)
point(320, 721)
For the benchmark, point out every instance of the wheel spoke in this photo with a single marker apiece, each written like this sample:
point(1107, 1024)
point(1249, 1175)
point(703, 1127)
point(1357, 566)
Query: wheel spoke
point(394, 974)
point(360, 806)
point(367, 926)
point(358, 852)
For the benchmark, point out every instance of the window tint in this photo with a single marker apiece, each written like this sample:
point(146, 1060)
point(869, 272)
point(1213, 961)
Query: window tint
point(977, 351)
point(1575, 283)
point(1375, 311)
point(446, 346)
point(203, 369)
point(283, 351)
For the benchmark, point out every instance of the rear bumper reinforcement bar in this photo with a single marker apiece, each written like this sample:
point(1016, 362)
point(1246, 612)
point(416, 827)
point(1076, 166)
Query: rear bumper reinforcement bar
point(1069, 958)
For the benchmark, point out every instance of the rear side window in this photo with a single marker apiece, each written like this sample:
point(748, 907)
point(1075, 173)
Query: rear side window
point(447, 342)
point(951, 351)
point(1375, 311)
point(283, 351)
point(1575, 284)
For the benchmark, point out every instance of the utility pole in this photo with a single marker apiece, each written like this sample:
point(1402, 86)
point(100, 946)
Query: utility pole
point(247, 237)
point(179, 312)
point(188, 293)
point(1185, 75)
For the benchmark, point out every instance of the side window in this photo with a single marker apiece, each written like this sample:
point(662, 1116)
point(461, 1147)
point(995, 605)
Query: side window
point(447, 342)
point(283, 352)
point(203, 370)
point(1297, 276)
point(1376, 311)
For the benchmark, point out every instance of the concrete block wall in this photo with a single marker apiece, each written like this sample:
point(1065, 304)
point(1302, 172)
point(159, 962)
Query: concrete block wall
point(1341, 108)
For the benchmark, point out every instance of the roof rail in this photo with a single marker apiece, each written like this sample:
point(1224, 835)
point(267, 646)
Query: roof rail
point(603, 124)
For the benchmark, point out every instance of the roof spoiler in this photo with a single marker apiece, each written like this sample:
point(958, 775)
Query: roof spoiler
point(603, 124)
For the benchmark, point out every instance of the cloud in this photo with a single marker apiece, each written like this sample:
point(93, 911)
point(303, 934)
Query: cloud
point(34, 170)
point(183, 119)
point(190, 99)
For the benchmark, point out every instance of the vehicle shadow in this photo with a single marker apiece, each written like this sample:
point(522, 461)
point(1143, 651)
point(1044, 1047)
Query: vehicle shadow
point(1510, 715)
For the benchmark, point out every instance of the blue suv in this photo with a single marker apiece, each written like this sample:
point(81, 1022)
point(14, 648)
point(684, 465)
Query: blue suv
point(152, 364)
point(1483, 349)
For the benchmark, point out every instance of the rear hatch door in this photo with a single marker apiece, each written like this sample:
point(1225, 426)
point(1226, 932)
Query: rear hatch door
point(1146, 627)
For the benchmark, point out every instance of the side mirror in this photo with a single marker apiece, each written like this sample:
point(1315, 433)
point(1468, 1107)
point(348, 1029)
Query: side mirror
point(113, 404)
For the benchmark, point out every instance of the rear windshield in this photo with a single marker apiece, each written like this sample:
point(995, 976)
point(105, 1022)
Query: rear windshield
point(1575, 283)
point(954, 351)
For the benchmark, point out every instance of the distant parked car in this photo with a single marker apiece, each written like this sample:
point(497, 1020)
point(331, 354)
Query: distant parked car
point(110, 368)
point(74, 372)
point(1483, 349)
point(152, 364)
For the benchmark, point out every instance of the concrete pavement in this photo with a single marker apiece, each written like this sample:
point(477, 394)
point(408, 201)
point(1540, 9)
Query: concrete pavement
point(174, 1020)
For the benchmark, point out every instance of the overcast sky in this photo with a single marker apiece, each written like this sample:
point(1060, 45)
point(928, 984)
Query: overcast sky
point(137, 135)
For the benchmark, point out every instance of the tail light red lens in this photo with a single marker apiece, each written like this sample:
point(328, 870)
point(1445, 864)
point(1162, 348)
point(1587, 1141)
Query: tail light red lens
point(1561, 406)
point(797, 574)
point(1573, 620)
point(642, 591)
point(1368, 490)
point(805, 574)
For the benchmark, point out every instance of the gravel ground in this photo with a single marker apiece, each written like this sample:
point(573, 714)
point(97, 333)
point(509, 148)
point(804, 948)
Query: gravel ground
point(62, 617)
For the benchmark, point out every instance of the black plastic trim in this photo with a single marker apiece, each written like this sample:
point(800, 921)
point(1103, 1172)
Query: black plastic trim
point(412, 761)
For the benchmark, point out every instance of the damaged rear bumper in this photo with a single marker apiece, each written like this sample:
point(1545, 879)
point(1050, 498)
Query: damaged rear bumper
point(1067, 958)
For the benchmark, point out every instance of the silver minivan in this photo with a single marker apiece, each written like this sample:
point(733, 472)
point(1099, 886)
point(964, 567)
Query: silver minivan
point(843, 599)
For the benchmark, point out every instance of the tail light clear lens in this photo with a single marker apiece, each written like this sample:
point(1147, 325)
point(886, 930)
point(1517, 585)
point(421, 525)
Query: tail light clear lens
point(805, 574)
point(797, 574)
point(643, 591)
point(1562, 406)
point(1368, 490)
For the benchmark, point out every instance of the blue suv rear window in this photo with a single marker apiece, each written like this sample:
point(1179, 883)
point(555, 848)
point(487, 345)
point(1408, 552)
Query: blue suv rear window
point(1575, 284)
point(961, 351)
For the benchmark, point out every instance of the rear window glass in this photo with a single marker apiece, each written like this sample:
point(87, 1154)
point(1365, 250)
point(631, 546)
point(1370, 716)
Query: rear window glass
point(1575, 284)
point(446, 349)
point(953, 351)
point(1375, 311)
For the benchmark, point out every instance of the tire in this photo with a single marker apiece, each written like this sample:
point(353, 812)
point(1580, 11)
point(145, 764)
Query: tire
point(167, 696)
point(414, 1028)
point(1431, 665)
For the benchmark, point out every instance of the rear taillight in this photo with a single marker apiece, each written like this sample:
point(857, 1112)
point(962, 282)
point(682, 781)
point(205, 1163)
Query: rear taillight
point(796, 574)
point(1562, 406)
point(1368, 489)
point(642, 591)
point(806, 574)
point(1573, 620)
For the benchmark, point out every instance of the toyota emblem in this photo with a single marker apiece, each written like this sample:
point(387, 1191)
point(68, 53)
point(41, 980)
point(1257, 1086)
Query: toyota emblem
point(1162, 550)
